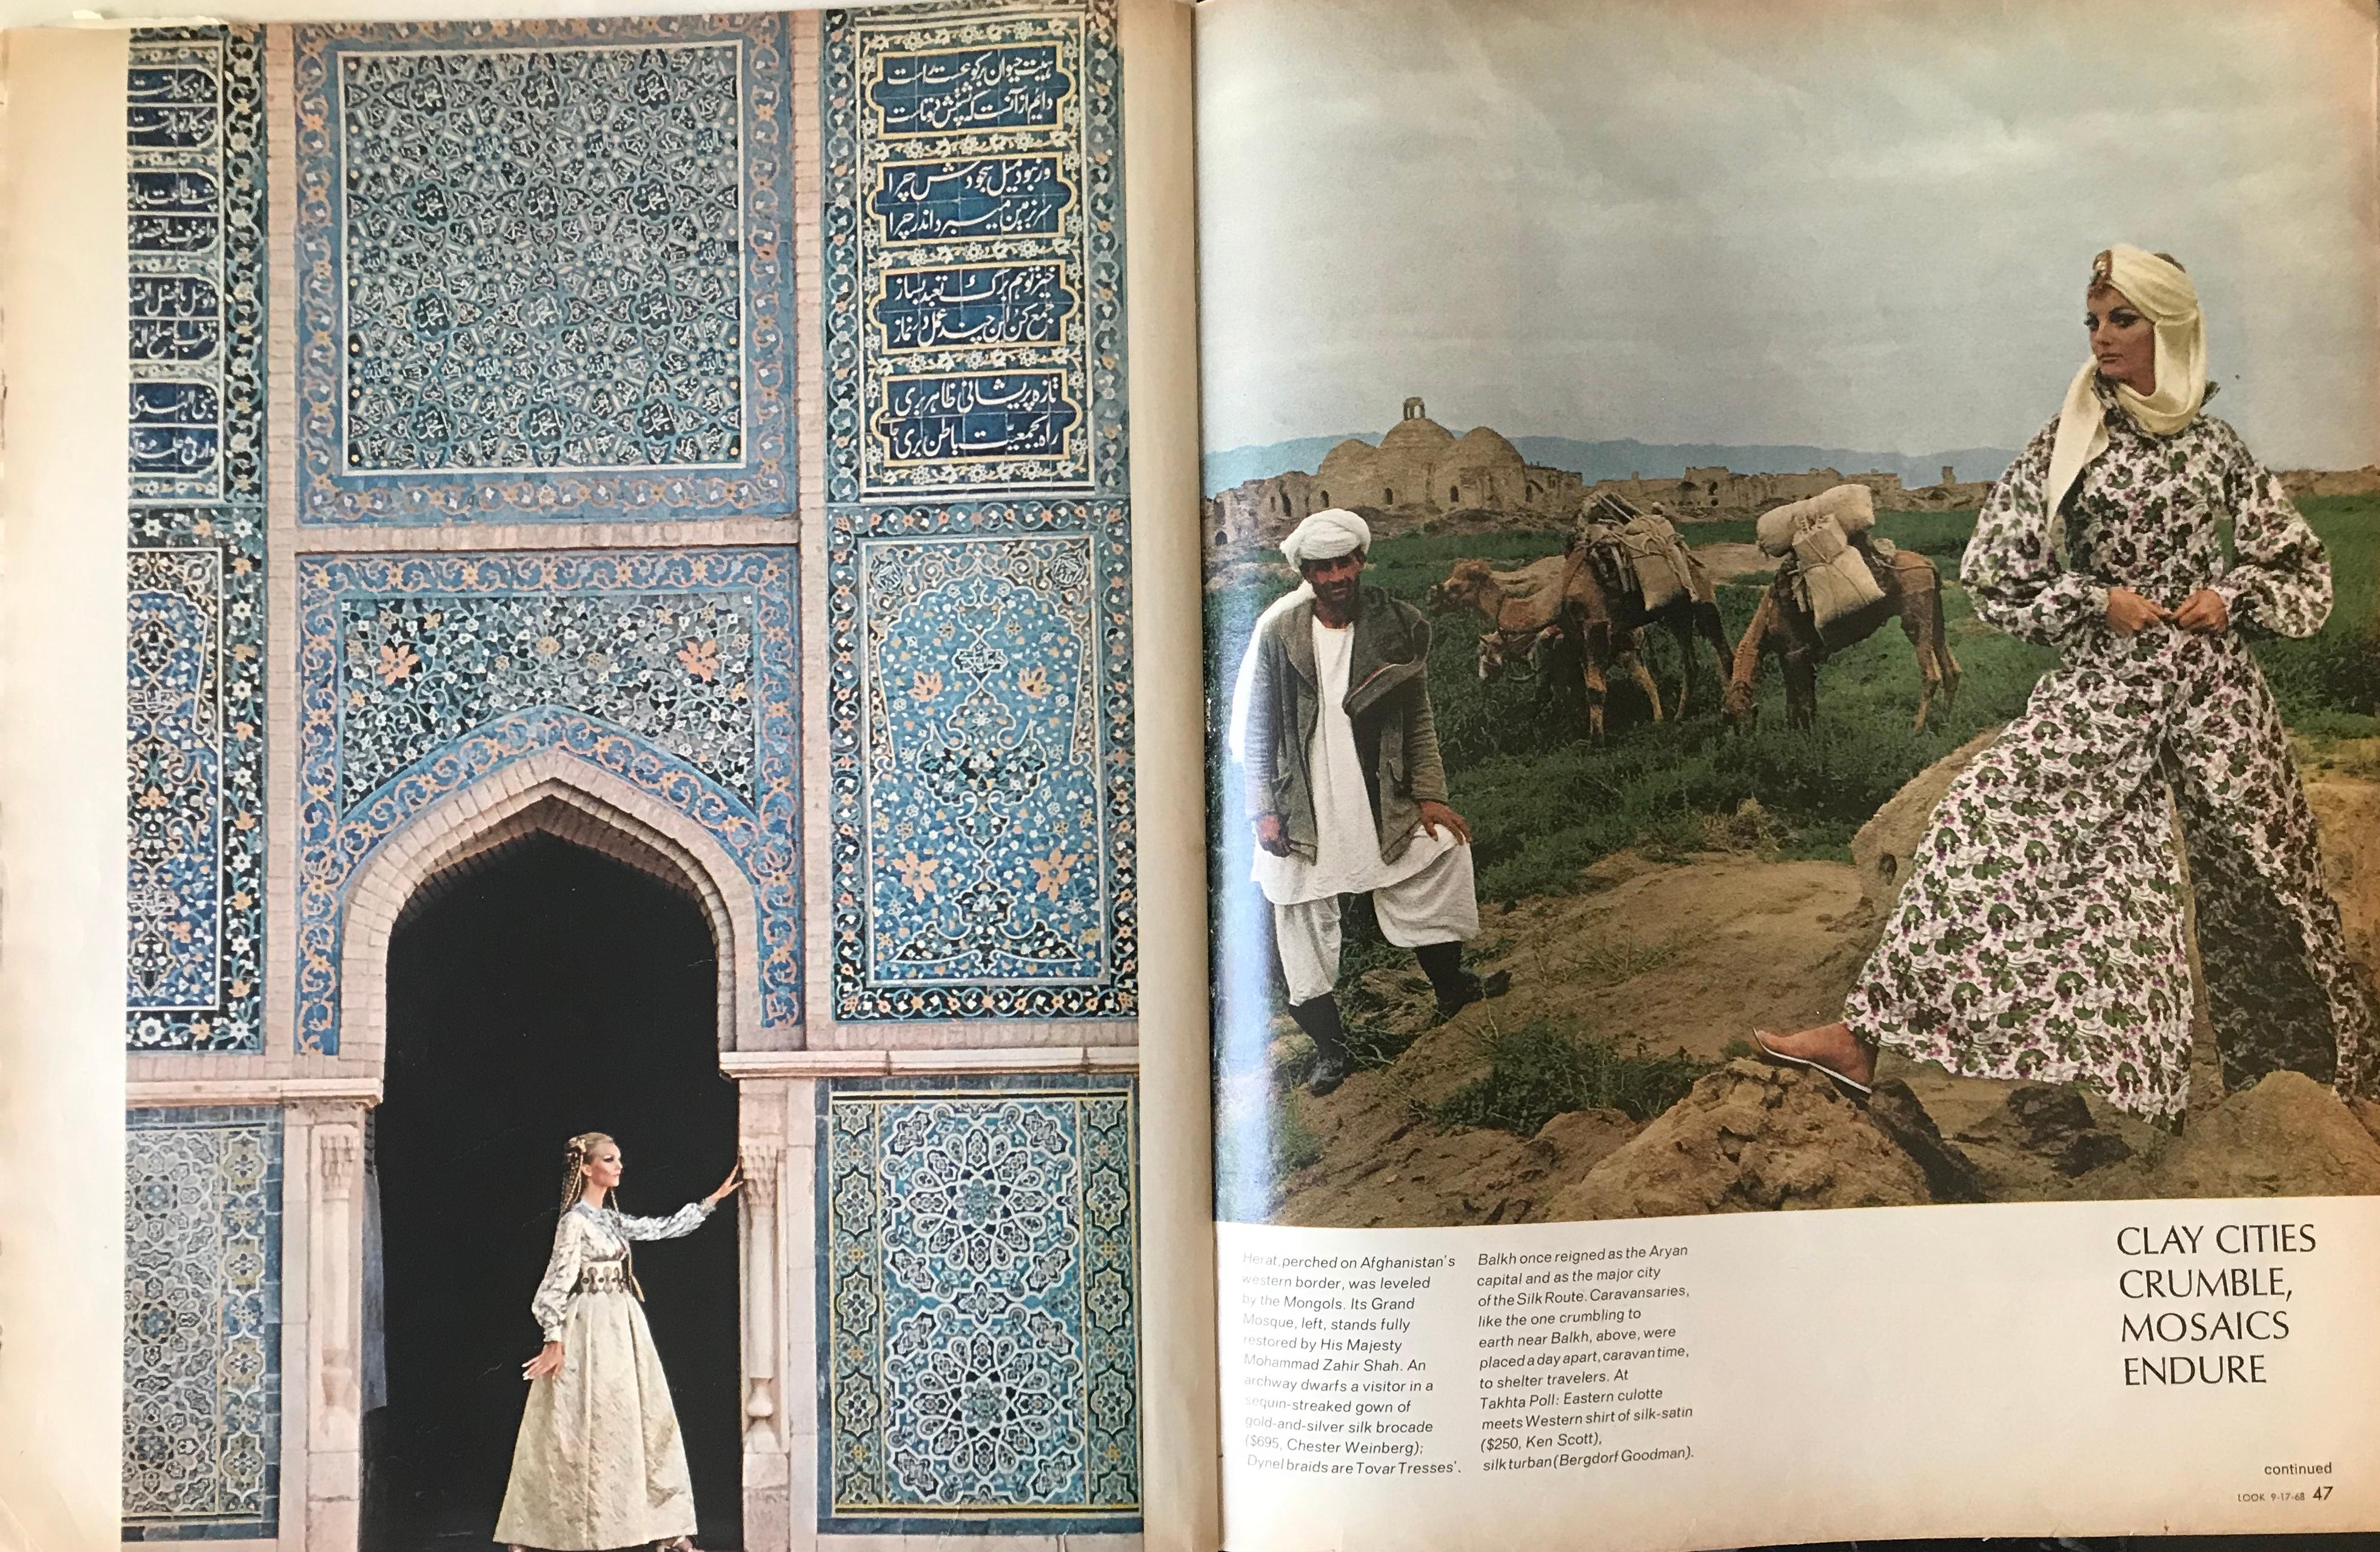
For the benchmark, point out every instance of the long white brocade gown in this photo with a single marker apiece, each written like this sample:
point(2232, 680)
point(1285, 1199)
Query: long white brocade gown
point(599, 1463)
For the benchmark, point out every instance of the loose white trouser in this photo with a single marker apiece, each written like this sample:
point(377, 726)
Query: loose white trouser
point(1438, 905)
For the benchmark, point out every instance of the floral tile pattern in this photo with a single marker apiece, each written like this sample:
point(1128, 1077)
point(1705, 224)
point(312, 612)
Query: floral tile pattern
point(974, 237)
point(202, 1324)
point(674, 670)
point(195, 605)
point(987, 693)
point(978, 1305)
point(545, 271)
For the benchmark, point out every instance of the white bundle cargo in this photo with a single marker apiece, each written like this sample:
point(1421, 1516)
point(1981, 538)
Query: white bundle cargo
point(1833, 576)
point(1663, 568)
point(1852, 507)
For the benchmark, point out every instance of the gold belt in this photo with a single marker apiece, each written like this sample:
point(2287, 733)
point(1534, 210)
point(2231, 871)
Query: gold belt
point(610, 1277)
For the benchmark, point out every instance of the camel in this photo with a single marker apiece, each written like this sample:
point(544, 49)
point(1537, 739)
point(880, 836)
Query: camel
point(1557, 593)
point(1912, 590)
point(1606, 618)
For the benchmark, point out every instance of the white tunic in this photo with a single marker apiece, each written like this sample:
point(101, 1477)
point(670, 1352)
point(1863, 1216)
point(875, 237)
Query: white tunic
point(1347, 838)
point(598, 1463)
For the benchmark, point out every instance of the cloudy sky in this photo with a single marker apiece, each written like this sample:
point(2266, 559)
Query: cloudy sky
point(1852, 222)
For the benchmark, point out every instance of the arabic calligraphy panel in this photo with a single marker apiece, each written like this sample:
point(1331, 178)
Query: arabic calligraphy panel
point(951, 91)
point(964, 202)
point(193, 219)
point(968, 306)
point(956, 420)
point(545, 271)
point(973, 223)
point(195, 601)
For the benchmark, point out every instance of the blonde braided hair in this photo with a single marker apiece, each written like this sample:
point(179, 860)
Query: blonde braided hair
point(574, 1175)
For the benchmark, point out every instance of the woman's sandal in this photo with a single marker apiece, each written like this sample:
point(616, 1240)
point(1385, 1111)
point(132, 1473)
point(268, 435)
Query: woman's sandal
point(1856, 1091)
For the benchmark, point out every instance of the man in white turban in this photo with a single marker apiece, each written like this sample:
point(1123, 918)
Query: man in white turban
point(1331, 722)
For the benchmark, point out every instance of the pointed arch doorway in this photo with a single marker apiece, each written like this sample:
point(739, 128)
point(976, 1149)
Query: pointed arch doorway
point(550, 976)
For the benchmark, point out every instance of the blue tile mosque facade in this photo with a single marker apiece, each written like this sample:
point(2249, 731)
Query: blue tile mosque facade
point(703, 439)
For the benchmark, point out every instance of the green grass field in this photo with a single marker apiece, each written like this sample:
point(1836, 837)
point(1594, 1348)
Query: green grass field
point(1544, 803)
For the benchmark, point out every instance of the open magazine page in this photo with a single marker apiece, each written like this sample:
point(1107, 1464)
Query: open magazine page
point(1790, 602)
point(574, 679)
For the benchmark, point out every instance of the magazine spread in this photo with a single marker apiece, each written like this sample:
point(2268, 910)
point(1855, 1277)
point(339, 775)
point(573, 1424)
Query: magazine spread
point(1713, 714)
point(1113, 773)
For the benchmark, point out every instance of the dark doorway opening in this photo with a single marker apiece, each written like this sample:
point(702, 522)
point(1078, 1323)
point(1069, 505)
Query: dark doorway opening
point(549, 990)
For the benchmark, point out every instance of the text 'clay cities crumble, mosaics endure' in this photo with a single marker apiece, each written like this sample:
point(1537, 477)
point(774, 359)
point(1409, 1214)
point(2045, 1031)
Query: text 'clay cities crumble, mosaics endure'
point(700, 439)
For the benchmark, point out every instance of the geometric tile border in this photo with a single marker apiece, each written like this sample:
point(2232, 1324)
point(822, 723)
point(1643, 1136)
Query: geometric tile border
point(674, 670)
point(202, 1324)
point(196, 662)
point(545, 271)
point(973, 251)
point(978, 1305)
point(979, 751)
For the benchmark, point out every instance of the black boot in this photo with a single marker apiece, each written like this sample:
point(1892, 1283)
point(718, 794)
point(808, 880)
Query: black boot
point(1457, 987)
point(1320, 1018)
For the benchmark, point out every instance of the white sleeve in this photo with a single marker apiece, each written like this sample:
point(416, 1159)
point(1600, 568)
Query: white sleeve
point(686, 1220)
point(552, 1300)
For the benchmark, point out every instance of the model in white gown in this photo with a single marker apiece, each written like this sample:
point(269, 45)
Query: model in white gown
point(599, 1463)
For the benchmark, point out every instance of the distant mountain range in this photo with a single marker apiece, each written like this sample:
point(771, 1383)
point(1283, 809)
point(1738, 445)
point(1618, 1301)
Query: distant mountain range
point(1618, 460)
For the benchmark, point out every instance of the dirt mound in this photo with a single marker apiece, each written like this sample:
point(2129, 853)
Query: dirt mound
point(2349, 811)
point(1384, 1164)
point(1690, 956)
point(1749, 1137)
point(2287, 1136)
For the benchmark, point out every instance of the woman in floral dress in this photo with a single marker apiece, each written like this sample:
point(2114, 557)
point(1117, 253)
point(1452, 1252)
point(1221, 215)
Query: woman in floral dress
point(598, 1463)
point(2039, 935)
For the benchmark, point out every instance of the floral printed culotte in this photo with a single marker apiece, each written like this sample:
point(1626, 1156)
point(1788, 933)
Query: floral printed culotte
point(2039, 935)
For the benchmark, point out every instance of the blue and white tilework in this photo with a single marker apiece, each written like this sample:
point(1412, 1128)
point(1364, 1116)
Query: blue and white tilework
point(973, 252)
point(673, 670)
point(979, 745)
point(195, 669)
point(978, 552)
point(202, 1324)
point(545, 271)
point(978, 1305)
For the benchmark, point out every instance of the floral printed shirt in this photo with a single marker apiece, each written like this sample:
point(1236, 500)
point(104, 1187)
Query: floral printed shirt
point(2147, 513)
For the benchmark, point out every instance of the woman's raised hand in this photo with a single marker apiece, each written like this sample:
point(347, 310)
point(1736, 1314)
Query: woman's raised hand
point(546, 1364)
point(2204, 611)
point(727, 1187)
point(2128, 612)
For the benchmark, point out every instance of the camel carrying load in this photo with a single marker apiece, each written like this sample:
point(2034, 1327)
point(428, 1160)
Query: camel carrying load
point(1828, 549)
point(1635, 552)
point(1838, 583)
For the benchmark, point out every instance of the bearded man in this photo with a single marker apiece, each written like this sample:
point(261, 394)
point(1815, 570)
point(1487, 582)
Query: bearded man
point(1332, 722)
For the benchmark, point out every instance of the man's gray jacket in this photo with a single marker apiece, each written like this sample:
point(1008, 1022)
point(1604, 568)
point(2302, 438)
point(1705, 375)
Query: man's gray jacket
point(1387, 700)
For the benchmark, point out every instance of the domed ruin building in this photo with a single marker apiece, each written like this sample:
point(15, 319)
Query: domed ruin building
point(1420, 470)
